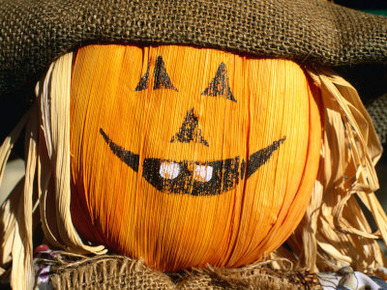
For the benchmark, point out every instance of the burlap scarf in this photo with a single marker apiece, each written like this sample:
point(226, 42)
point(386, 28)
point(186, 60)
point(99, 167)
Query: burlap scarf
point(69, 271)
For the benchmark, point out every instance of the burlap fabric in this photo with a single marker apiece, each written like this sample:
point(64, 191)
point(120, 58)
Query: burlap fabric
point(34, 33)
point(378, 113)
point(118, 272)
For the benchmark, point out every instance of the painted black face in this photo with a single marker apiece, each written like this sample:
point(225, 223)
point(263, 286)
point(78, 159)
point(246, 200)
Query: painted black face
point(191, 177)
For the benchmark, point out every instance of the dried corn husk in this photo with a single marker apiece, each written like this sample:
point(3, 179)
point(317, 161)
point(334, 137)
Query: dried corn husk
point(186, 220)
point(335, 231)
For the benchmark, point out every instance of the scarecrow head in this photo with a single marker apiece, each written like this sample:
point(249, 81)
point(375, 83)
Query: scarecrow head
point(200, 134)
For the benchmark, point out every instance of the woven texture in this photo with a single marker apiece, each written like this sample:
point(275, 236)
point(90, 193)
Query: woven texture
point(118, 272)
point(34, 33)
point(378, 113)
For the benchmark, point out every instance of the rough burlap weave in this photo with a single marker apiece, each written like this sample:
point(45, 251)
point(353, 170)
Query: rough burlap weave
point(378, 113)
point(118, 272)
point(34, 33)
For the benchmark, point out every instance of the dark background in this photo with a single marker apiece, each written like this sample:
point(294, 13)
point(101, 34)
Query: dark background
point(363, 4)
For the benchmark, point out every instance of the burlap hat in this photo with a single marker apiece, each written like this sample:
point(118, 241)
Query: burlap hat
point(34, 33)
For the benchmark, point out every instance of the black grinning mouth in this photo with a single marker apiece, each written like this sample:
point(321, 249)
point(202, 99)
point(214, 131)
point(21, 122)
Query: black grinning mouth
point(191, 177)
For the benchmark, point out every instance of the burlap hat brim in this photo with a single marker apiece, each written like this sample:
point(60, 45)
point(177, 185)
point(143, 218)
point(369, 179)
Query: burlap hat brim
point(35, 33)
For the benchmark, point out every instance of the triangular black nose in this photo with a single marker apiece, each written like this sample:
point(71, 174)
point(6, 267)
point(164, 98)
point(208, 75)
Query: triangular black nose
point(189, 130)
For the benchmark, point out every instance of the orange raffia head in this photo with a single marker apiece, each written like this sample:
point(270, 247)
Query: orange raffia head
point(186, 156)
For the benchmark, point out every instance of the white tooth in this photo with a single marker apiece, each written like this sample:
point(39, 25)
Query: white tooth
point(169, 170)
point(203, 173)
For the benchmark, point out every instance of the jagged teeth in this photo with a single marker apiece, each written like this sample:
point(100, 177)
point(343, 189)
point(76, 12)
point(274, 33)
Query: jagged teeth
point(203, 173)
point(169, 170)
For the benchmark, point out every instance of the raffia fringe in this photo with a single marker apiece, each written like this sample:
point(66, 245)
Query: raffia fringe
point(333, 232)
point(48, 155)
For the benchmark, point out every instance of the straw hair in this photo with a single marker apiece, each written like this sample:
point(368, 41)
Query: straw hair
point(328, 235)
point(44, 153)
point(335, 227)
point(16, 211)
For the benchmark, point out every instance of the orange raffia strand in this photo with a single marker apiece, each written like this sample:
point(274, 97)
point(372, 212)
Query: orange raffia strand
point(114, 205)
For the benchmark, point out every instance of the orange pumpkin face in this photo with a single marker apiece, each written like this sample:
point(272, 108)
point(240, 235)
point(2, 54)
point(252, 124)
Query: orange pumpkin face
point(188, 156)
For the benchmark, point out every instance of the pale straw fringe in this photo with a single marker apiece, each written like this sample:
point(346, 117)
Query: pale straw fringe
point(49, 156)
point(55, 109)
point(16, 241)
point(342, 106)
point(349, 153)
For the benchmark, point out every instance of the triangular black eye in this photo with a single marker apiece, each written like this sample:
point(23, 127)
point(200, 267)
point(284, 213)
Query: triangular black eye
point(219, 85)
point(162, 80)
point(143, 83)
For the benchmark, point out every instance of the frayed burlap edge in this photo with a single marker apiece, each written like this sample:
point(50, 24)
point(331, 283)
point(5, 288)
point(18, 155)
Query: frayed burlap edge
point(116, 272)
